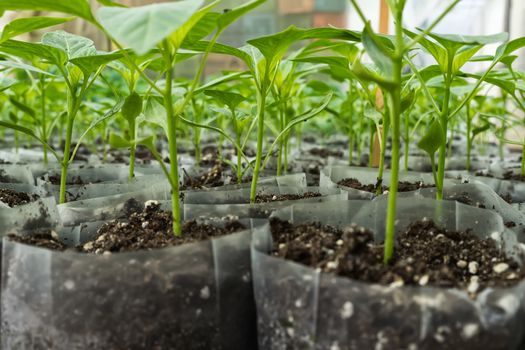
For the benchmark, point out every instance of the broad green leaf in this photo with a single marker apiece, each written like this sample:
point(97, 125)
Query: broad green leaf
point(23, 107)
point(508, 48)
point(23, 66)
point(89, 64)
point(132, 107)
point(110, 3)
point(29, 51)
point(433, 139)
point(26, 25)
point(73, 45)
point(273, 47)
point(117, 141)
point(230, 99)
point(377, 51)
point(455, 40)
point(155, 113)
point(78, 8)
point(439, 53)
point(203, 28)
point(231, 16)
point(202, 46)
point(142, 28)
point(177, 38)
point(367, 75)
point(463, 55)
point(480, 129)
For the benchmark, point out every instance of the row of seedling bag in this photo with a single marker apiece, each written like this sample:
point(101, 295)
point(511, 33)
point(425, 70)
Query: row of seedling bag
point(251, 283)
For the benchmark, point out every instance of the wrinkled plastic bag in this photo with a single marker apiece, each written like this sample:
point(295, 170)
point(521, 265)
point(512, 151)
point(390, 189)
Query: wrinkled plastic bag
point(301, 308)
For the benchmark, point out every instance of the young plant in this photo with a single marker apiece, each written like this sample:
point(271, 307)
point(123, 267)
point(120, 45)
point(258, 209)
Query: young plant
point(79, 64)
point(167, 27)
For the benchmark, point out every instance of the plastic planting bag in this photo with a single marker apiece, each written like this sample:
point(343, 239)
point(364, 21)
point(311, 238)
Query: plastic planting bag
point(13, 173)
point(236, 202)
point(302, 308)
point(39, 214)
point(332, 175)
point(513, 190)
point(482, 196)
point(111, 207)
point(194, 296)
point(422, 163)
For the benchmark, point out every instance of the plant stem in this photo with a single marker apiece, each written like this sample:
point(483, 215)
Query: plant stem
point(132, 151)
point(281, 143)
point(469, 136)
point(43, 114)
point(71, 114)
point(395, 114)
point(407, 139)
point(237, 131)
point(444, 125)
point(261, 108)
point(172, 142)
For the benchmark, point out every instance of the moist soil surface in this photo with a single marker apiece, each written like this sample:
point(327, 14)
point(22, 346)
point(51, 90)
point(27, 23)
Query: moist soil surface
point(13, 198)
point(76, 180)
point(325, 153)
point(424, 255)
point(146, 230)
point(211, 178)
point(269, 198)
point(403, 186)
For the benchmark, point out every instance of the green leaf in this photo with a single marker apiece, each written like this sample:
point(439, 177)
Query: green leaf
point(508, 48)
point(481, 129)
point(177, 38)
point(110, 3)
point(204, 27)
point(222, 49)
point(117, 141)
point(89, 64)
point(142, 28)
point(29, 51)
point(433, 139)
point(273, 47)
point(462, 56)
point(23, 107)
point(230, 99)
point(378, 52)
point(448, 40)
point(23, 66)
point(439, 53)
point(26, 25)
point(366, 74)
point(78, 8)
point(73, 45)
point(155, 113)
point(231, 16)
point(132, 107)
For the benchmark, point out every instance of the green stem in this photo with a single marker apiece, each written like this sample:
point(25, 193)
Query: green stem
point(382, 151)
point(444, 125)
point(407, 139)
point(72, 111)
point(469, 136)
point(132, 151)
point(281, 143)
point(395, 116)
point(172, 142)
point(43, 114)
point(261, 109)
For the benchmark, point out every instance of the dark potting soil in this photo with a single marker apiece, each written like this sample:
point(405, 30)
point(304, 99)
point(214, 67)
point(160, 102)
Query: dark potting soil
point(465, 198)
point(325, 153)
point(269, 198)
point(45, 239)
point(424, 254)
point(403, 186)
point(76, 180)
point(151, 229)
point(211, 178)
point(13, 198)
point(146, 230)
